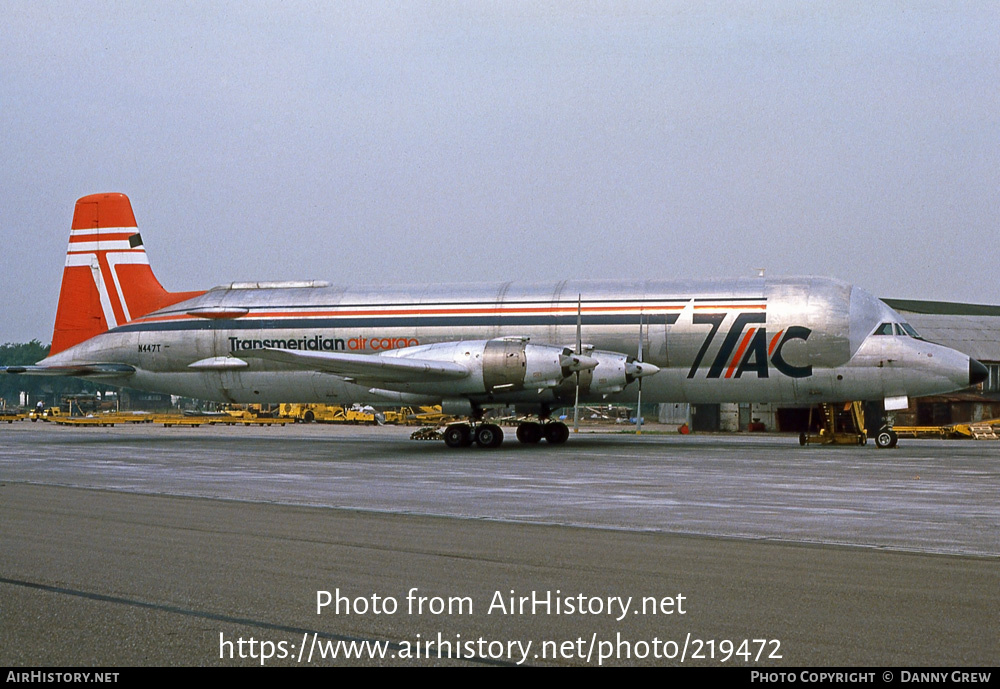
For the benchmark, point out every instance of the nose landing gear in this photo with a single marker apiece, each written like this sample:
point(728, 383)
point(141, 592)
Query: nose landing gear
point(886, 438)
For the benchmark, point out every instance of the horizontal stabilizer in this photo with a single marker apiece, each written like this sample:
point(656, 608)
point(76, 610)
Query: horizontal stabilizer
point(369, 367)
point(90, 370)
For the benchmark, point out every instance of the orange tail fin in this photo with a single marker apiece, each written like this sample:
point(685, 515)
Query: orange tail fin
point(107, 280)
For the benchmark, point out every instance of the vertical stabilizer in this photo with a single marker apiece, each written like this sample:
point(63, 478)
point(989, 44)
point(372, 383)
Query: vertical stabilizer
point(107, 280)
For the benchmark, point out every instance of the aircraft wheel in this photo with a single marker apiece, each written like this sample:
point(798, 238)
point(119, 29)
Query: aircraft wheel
point(458, 435)
point(489, 435)
point(803, 439)
point(886, 438)
point(556, 433)
point(529, 433)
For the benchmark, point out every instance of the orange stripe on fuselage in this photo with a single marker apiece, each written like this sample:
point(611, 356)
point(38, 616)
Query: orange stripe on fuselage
point(739, 352)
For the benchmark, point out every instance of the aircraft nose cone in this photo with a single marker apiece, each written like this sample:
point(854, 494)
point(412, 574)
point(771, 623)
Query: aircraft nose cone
point(977, 372)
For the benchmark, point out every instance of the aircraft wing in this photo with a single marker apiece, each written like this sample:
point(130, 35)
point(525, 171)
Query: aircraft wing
point(88, 370)
point(369, 367)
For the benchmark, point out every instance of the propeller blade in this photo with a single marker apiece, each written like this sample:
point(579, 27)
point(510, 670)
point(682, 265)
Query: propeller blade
point(638, 410)
point(579, 355)
point(639, 368)
point(579, 324)
point(576, 406)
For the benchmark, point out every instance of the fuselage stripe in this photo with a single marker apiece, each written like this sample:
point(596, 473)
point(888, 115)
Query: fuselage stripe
point(411, 320)
point(390, 312)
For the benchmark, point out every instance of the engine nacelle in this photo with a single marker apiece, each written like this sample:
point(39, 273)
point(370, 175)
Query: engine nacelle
point(613, 372)
point(610, 375)
point(510, 365)
point(497, 366)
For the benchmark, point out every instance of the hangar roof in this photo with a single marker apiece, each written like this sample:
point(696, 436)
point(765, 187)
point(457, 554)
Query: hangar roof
point(942, 308)
point(970, 328)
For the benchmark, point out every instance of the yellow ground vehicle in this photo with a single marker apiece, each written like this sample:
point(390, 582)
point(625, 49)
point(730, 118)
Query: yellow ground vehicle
point(327, 413)
point(332, 413)
point(250, 411)
point(45, 414)
point(416, 416)
point(12, 415)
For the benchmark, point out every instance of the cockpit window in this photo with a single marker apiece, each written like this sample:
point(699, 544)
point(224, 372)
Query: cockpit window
point(899, 329)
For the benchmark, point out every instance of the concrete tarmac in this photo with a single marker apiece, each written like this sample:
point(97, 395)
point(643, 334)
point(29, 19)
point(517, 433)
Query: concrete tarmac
point(142, 546)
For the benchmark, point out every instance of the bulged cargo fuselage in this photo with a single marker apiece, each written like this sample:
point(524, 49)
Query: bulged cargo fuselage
point(791, 340)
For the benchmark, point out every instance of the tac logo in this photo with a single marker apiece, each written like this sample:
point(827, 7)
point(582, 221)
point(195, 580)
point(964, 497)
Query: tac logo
point(742, 352)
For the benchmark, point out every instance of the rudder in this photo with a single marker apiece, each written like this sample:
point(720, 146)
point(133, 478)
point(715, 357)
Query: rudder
point(107, 280)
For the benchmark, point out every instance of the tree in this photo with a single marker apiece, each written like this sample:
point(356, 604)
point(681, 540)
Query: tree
point(12, 354)
point(50, 388)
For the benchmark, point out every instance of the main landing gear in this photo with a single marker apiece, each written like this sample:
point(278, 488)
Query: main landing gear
point(488, 435)
point(463, 435)
point(531, 432)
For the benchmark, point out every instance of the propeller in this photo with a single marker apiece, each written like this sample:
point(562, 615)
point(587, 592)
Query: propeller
point(641, 373)
point(579, 352)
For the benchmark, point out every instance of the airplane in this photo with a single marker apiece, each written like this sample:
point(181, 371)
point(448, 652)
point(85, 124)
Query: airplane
point(796, 341)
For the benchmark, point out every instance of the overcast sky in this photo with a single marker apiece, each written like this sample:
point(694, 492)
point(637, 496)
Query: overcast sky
point(374, 142)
